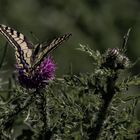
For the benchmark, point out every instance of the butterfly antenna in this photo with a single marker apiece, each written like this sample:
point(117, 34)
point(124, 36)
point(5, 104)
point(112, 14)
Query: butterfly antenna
point(4, 54)
point(125, 40)
point(34, 36)
point(70, 69)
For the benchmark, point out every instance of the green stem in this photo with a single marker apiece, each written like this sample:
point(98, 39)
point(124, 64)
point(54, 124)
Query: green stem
point(41, 103)
point(95, 130)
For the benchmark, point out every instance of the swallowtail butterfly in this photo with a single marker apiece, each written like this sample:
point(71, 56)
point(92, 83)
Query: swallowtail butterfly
point(29, 56)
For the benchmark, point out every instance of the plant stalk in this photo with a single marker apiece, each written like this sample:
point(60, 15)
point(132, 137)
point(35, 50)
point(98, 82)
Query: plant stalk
point(95, 130)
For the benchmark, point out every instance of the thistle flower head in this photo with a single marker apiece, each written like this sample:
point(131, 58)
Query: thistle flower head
point(39, 77)
point(114, 58)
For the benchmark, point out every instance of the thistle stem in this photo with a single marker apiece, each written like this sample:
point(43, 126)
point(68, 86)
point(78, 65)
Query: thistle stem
point(41, 103)
point(95, 130)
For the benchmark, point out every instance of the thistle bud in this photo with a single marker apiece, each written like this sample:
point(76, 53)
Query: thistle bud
point(115, 59)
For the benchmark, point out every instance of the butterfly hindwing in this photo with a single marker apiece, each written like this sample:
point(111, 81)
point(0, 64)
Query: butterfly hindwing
point(22, 46)
point(42, 50)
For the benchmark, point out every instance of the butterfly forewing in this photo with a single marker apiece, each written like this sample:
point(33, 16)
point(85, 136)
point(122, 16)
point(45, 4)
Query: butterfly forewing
point(43, 49)
point(22, 46)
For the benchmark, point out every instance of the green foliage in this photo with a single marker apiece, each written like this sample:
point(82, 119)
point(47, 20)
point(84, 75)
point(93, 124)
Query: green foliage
point(83, 106)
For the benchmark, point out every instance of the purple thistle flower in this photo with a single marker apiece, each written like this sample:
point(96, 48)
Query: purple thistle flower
point(39, 77)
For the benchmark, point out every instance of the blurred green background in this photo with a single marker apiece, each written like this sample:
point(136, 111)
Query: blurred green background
point(96, 23)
